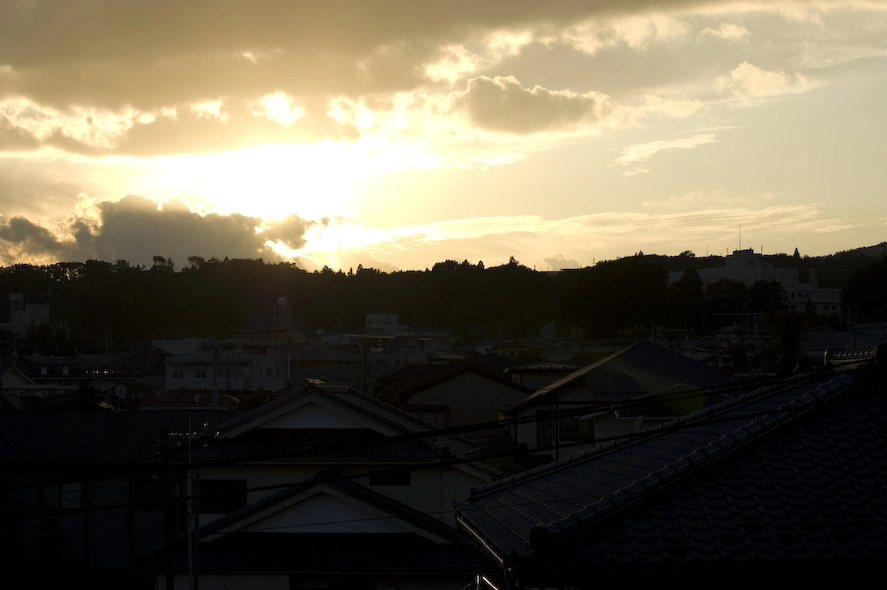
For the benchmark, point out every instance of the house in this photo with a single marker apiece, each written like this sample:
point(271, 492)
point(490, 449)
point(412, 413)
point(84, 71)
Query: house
point(316, 488)
point(325, 533)
point(586, 395)
point(539, 374)
point(15, 385)
point(320, 488)
point(194, 364)
point(363, 359)
point(785, 482)
point(464, 398)
point(397, 386)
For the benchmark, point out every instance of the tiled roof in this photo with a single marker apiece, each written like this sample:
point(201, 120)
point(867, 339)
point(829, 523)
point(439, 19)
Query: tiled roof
point(421, 376)
point(641, 368)
point(795, 472)
point(416, 439)
point(543, 366)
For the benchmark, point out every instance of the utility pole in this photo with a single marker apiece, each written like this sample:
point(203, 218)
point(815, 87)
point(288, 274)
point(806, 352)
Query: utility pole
point(215, 378)
point(193, 513)
point(365, 366)
point(169, 520)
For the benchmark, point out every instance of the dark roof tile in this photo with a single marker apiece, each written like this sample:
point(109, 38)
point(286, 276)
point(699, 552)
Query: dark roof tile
point(793, 472)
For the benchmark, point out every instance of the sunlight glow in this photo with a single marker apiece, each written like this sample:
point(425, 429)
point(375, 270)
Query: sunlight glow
point(280, 108)
point(271, 181)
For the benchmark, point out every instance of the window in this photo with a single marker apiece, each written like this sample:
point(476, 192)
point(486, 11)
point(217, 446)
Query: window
point(390, 477)
point(569, 428)
point(221, 496)
point(64, 496)
point(544, 429)
point(178, 374)
point(200, 373)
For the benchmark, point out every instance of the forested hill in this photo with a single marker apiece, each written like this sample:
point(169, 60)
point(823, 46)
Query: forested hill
point(97, 304)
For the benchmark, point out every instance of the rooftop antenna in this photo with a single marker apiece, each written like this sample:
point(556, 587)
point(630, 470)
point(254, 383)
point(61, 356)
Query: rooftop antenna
point(740, 236)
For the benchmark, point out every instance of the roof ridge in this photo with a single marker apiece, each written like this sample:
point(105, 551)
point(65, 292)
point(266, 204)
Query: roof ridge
point(423, 427)
point(663, 429)
point(411, 515)
point(297, 391)
point(735, 439)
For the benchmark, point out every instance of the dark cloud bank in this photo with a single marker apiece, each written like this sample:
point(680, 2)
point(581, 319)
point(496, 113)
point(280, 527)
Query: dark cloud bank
point(135, 230)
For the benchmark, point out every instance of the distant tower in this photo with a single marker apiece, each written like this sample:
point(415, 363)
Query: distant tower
point(283, 315)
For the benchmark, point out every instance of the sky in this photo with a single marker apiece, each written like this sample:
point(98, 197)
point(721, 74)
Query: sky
point(400, 133)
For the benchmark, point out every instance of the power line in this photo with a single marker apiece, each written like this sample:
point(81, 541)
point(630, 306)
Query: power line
point(715, 418)
point(432, 463)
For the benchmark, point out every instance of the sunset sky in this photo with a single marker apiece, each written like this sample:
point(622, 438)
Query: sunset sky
point(396, 134)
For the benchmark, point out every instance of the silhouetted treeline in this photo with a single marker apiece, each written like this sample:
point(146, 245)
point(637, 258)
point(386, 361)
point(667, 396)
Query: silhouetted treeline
point(98, 305)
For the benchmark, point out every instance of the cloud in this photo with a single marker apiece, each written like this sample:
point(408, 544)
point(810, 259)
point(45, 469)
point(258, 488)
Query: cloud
point(634, 171)
point(644, 151)
point(20, 235)
point(717, 199)
point(749, 81)
point(834, 228)
point(210, 109)
point(136, 229)
point(26, 123)
point(502, 105)
point(583, 238)
point(278, 107)
point(452, 64)
point(727, 32)
point(607, 32)
point(219, 75)
point(200, 127)
point(559, 262)
point(674, 107)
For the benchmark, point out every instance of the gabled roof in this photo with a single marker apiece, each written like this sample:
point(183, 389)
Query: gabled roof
point(13, 373)
point(501, 380)
point(310, 421)
point(641, 368)
point(541, 366)
point(492, 366)
point(791, 473)
point(378, 512)
point(329, 525)
point(183, 346)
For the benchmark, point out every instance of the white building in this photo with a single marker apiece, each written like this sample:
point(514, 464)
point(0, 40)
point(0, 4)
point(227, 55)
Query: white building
point(747, 267)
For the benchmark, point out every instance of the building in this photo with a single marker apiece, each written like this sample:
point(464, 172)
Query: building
point(748, 268)
point(384, 324)
point(23, 315)
point(321, 488)
point(194, 364)
point(316, 489)
point(577, 409)
point(785, 482)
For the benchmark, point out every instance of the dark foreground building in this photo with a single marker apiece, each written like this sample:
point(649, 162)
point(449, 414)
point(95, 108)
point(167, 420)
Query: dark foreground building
point(786, 484)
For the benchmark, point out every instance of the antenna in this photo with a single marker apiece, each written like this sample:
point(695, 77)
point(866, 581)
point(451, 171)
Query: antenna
point(740, 236)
